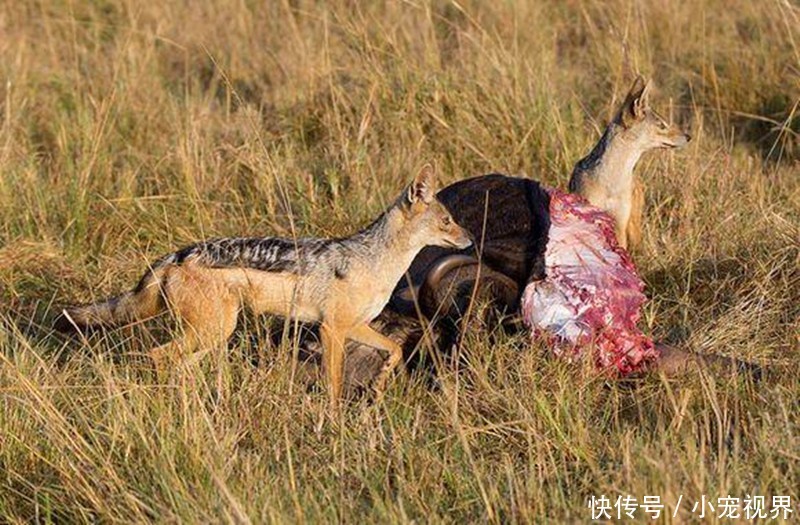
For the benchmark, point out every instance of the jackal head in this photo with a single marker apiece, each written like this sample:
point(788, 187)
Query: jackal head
point(426, 218)
point(641, 126)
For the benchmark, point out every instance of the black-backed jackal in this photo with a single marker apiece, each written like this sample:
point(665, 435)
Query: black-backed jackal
point(605, 176)
point(342, 284)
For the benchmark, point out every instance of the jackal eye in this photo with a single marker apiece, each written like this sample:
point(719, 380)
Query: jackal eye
point(446, 221)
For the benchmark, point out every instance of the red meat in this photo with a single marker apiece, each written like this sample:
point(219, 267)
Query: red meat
point(592, 296)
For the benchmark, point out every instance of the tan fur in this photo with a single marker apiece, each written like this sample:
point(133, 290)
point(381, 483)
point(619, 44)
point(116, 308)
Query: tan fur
point(633, 233)
point(344, 285)
point(605, 177)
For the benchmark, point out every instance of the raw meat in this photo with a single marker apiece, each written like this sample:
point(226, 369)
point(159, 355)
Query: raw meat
point(592, 296)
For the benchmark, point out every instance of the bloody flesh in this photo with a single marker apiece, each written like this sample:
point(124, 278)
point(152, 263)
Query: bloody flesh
point(592, 296)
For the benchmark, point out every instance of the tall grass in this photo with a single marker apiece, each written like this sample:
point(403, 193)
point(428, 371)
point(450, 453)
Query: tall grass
point(129, 128)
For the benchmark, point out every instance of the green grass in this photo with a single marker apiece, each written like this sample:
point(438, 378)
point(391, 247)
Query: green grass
point(128, 129)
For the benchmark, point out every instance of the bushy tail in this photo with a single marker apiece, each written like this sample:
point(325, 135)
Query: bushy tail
point(142, 302)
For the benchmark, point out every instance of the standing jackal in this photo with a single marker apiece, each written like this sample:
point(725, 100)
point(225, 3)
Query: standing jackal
point(342, 284)
point(605, 176)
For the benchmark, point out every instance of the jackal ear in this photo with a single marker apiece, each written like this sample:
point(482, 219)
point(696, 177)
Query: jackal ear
point(636, 101)
point(642, 102)
point(423, 189)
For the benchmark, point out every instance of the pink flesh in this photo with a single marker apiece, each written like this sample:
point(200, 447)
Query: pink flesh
point(592, 295)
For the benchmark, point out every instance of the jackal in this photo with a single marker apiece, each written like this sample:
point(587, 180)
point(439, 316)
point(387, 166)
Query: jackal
point(605, 176)
point(342, 284)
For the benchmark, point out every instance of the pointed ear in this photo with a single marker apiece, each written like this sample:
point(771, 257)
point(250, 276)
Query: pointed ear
point(423, 189)
point(642, 101)
point(636, 101)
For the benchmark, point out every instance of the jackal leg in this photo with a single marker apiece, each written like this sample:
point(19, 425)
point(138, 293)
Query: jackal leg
point(634, 230)
point(333, 360)
point(364, 334)
point(621, 231)
point(204, 308)
point(198, 340)
point(164, 355)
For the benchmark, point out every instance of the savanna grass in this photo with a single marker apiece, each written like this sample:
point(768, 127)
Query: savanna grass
point(130, 128)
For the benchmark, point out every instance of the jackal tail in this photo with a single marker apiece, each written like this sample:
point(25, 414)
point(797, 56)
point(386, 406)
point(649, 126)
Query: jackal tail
point(144, 301)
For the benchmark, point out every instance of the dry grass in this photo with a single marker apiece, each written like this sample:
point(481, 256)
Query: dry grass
point(129, 128)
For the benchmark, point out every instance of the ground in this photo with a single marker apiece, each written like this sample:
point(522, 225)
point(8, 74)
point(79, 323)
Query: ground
point(131, 128)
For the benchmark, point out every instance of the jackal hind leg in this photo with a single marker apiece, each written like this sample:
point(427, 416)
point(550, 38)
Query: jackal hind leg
point(205, 309)
point(364, 334)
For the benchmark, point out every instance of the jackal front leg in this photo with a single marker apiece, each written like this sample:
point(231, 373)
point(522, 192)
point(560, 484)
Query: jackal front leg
point(364, 334)
point(333, 359)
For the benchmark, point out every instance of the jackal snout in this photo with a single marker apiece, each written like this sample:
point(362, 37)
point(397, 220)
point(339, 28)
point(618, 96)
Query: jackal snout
point(428, 218)
point(667, 135)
